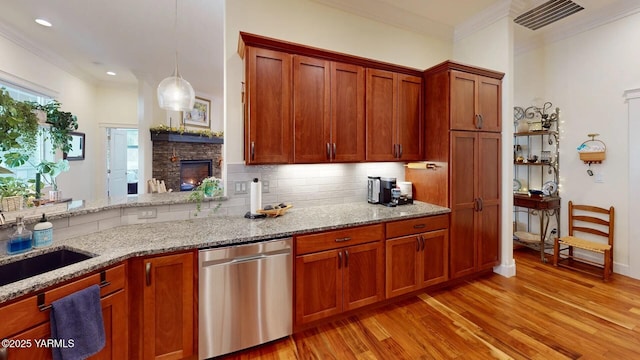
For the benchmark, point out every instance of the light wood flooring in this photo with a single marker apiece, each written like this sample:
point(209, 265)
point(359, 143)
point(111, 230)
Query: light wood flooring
point(542, 313)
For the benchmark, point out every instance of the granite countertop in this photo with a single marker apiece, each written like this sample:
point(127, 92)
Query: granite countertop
point(82, 207)
point(115, 245)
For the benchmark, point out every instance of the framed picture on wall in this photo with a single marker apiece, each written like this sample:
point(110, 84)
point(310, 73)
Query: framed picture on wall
point(200, 115)
point(77, 147)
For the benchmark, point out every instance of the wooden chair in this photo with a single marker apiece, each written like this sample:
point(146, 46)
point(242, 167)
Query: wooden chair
point(592, 220)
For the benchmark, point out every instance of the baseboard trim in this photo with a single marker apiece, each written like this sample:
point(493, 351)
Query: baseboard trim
point(506, 270)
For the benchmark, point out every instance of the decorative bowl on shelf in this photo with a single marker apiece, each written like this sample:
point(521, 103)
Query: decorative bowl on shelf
point(535, 192)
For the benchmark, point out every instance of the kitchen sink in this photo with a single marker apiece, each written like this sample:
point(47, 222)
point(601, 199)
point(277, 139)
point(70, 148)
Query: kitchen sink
point(36, 265)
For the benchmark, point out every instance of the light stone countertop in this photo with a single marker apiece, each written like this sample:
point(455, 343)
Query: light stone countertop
point(117, 244)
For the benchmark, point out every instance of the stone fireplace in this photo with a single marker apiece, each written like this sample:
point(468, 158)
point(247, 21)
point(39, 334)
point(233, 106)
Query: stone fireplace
point(185, 159)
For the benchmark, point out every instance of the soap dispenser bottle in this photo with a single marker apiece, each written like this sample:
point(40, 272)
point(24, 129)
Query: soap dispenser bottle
point(42, 233)
point(20, 240)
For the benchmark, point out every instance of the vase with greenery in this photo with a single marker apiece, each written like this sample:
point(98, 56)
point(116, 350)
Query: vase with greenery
point(209, 187)
point(18, 130)
point(49, 170)
point(62, 124)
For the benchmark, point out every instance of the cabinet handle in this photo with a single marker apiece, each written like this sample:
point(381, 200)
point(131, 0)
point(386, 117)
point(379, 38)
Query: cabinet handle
point(417, 243)
point(328, 151)
point(481, 204)
point(339, 259)
point(399, 151)
point(4, 353)
point(334, 151)
point(343, 239)
point(253, 150)
point(422, 241)
point(148, 273)
point(475, 204)
point(419, 226)
point(346, 258)
point(481, 121)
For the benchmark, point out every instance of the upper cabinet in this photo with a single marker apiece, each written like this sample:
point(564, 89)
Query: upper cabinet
point(328, 111)
point(475, 102)
point(308, 105)
point(267, 107)
point(394, 116)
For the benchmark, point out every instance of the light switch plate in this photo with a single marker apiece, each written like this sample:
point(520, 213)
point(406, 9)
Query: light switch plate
point(240, 187)
point(265, 186)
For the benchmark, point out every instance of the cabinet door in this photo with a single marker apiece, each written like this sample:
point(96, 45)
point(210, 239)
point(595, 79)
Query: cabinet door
point(363, 275)
point(403, 265)
point(463, 100)
point(464, 163)
point(347, 112)
point(490, 104)
point(382, 110)
point(33, 352)
point(489, 172)
point(311, 110)
point(410, 118)
point(268, 118)
point(435, 257)
point(168, 312)
point(114, 315)
point(318, 289)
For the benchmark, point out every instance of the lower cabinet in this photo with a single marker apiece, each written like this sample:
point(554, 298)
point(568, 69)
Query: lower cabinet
point(24, 322)
point(162, 307)
point(416, 254)
point(337, 271)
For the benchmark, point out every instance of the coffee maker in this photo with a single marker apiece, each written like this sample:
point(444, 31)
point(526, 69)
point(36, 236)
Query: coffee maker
point(386, 191)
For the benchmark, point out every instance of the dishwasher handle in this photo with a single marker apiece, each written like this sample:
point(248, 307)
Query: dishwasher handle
point(246, 258)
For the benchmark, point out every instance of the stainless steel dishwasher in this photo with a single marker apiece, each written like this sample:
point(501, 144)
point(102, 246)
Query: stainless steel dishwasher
point(245, 296)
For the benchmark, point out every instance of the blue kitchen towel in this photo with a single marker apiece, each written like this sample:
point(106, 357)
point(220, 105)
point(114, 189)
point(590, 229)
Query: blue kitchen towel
point(77, 326)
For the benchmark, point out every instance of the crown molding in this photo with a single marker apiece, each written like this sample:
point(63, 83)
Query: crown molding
point(482, 19)
point(47, 55)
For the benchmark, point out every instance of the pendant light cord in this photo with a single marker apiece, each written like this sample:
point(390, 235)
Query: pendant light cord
point(175, 38)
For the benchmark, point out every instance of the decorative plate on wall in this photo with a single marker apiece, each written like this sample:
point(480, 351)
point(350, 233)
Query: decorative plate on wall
point(549, 188)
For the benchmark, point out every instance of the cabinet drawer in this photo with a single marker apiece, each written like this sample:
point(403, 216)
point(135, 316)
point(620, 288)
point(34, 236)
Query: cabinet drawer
point(23, 314)
point(306, 244)
point(416, 226)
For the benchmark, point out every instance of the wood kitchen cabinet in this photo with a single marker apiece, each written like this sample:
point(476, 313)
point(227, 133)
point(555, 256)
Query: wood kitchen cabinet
point(267, 107)
point(162, 307)
point(468, 147)
point(394, 116)
point(475, 202)
point(328, 111)
point(23, 319)
point(338, 271)
point(475, 102)
point(417, 253)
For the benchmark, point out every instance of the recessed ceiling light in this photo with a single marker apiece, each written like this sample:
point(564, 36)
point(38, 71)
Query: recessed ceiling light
point(111, 73)
point(43, 22)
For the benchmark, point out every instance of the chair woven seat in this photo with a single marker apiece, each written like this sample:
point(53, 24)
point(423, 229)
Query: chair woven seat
point(584, 244)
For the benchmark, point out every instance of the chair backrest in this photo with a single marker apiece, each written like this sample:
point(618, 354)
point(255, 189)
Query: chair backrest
point(591, 219)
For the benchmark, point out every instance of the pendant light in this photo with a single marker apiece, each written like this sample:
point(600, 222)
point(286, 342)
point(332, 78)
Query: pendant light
point(174, 92)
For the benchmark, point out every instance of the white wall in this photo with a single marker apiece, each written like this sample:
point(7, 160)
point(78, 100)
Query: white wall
point(586, 76)
point(492, 47)
point(310, 23)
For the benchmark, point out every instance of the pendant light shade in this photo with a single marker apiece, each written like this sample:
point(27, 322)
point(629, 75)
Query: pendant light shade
point(174, 92)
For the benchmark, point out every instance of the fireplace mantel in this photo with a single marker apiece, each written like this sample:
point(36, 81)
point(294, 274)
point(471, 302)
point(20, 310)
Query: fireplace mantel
point(184, 137)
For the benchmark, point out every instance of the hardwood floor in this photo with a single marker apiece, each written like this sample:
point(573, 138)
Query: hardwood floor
point(542, 313)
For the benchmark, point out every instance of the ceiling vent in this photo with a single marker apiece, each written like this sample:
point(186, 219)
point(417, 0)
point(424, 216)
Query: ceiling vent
point(547, 13)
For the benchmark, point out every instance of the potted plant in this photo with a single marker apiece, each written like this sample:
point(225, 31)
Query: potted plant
point(209, 187)
point(18, 129)
point(49, 171)
point(14, 193)
point(62, 124)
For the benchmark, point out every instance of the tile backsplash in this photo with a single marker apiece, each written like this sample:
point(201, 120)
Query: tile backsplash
point(306, 185)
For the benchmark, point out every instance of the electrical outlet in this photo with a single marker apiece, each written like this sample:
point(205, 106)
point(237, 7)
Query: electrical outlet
point(148, 214)
point(265, 186)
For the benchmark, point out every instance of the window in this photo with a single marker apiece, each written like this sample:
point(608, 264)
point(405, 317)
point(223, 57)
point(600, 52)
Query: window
point(43, 151)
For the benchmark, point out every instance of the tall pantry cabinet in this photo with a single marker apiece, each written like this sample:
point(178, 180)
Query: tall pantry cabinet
point(463, 124)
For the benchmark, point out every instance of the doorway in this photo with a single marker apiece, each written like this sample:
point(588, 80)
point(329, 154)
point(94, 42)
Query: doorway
point(122, 162)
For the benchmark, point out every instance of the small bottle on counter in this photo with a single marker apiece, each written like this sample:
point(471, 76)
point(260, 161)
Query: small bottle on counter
point(42, 233)
point(20, 240)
